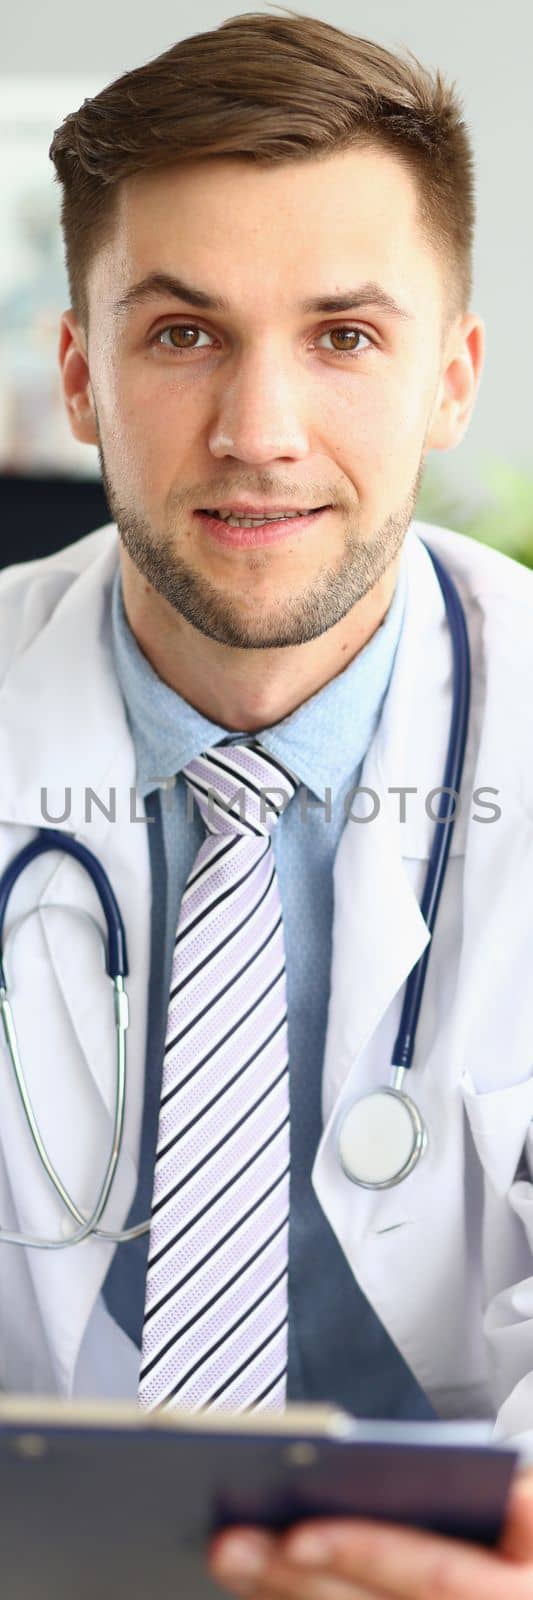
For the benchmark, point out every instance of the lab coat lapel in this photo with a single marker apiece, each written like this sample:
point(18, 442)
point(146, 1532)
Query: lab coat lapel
point(83, 744)
point(379, 932)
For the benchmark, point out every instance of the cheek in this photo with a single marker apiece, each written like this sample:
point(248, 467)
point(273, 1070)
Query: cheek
point(397, 419)
point(375, 420)
point(147, 427)
point(379, 447)
point(164, 410)
point(132, 400)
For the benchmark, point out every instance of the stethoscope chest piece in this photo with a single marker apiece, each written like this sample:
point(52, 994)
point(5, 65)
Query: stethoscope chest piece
point(380, 1139)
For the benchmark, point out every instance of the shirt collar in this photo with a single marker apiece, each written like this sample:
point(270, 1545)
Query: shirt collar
point(323, 741)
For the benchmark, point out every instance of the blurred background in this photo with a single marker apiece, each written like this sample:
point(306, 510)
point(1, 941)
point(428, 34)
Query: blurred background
point(53, 56)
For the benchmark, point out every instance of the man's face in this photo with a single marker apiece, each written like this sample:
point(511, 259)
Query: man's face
point(261, 401)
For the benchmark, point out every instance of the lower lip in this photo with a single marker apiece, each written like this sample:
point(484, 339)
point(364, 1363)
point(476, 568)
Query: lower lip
point(264, 533)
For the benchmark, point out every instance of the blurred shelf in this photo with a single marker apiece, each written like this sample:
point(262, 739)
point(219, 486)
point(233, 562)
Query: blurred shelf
point(39, 515)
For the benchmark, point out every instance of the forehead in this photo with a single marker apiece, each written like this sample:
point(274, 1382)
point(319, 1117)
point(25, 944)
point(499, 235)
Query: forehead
point(325, 221)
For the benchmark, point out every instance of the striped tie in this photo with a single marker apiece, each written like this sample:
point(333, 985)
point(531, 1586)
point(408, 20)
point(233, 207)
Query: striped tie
point(215, 1319)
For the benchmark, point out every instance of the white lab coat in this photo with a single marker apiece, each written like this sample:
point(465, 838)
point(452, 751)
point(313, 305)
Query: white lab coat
point(446, 1257)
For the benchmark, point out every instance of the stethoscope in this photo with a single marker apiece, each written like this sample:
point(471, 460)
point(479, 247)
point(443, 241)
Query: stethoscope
point(382, 1135)
point(116, 962)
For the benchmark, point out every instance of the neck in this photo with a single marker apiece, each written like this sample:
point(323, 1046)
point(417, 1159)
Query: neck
point(239, 689)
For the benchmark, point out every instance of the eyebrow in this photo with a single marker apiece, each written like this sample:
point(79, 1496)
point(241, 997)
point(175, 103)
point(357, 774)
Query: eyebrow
point(159, 285)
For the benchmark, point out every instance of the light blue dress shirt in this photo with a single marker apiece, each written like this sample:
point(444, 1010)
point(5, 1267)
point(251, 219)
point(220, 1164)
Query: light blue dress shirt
point(324, 743)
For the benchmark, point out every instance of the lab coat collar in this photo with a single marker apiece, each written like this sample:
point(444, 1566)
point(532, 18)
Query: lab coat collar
point(62, 717)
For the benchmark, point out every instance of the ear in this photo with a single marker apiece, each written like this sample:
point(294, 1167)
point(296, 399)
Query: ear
point(77, 391)
point(462, 365)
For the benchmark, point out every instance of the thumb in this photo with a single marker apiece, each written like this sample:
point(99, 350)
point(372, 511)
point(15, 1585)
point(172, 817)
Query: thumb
point(517, 1539)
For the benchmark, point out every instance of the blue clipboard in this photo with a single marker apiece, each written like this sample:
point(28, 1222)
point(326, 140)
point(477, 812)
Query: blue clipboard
point(103, 1499)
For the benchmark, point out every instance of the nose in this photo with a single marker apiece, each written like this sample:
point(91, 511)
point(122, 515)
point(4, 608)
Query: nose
point(260, 411)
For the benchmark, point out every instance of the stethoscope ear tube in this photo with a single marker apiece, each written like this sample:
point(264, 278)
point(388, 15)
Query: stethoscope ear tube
point(54, 839)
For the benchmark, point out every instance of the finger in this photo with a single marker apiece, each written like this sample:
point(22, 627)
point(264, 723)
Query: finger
point(408, 1564)
point(249, 1562)
point(284, 1582)
point(517, 1539)
point(318, 1586)
point(236, 1557)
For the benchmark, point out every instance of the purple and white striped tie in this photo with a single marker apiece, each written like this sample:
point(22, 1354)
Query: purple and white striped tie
point(215, 1319)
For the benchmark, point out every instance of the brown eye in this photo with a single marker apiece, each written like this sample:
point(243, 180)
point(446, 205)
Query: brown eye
point(344, 334)
point(186, 332)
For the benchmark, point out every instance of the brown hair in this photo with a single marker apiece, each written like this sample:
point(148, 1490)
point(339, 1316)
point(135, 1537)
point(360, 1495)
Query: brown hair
point(268, 90)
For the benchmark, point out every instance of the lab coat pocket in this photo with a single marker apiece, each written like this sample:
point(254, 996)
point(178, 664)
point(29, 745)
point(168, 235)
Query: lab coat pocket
point(500, 1122)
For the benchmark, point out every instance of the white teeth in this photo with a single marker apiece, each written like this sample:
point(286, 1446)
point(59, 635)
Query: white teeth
point(257, 522)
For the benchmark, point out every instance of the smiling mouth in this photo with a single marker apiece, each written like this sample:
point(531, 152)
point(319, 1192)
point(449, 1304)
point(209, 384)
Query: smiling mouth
point(237, 519)
point(241, 533)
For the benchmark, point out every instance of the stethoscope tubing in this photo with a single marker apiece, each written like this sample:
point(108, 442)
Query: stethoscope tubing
point(403, 1049)
point(116, 961)
point(54, 839)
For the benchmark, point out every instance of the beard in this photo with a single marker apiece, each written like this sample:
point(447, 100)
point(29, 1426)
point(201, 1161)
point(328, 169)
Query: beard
point(297, 618)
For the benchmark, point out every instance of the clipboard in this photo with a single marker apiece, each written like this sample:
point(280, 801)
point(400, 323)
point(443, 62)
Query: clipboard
point(102, 1499)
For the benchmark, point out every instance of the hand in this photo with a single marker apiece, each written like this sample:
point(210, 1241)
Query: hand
point(360, 1560)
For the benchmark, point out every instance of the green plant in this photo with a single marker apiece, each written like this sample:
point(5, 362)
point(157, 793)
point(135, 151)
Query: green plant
point(503, 519)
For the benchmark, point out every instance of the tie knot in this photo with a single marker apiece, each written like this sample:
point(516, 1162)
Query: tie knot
point(240, 788)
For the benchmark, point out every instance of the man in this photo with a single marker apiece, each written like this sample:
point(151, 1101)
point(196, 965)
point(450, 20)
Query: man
point(207, 651)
